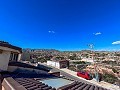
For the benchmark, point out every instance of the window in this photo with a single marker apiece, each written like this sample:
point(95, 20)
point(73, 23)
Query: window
point(13, 56)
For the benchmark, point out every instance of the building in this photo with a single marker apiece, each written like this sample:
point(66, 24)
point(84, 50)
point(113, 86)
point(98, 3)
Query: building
point(88, 60)
point(37, 79)
point(8, 53)
point(59, 64)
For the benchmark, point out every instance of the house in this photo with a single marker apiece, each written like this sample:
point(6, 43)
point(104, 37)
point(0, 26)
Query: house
point(88, 60)
point(8, 53)
point(59, 64)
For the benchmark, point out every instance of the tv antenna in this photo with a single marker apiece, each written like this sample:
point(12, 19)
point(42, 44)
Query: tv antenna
point(91, 46)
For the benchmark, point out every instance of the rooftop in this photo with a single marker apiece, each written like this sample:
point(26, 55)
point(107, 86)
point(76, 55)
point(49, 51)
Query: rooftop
point(32, 80)
point(6, 44)
point(80, 86)
point(32, 84)
point(25, 65)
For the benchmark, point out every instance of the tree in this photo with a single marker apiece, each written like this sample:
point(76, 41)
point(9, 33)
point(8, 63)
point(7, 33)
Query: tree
point(60, 57)
point(42, 60)
point(73, 57)
point(114, 70)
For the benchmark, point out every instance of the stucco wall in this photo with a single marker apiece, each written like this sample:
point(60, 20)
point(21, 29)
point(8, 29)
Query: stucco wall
point(10, 84)
point(4, 59)
point(19, 57)
point(5, 56)
point(53, 63)
point(57, 64)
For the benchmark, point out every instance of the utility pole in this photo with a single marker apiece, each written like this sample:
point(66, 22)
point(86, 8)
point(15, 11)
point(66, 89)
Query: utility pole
point(91, 46)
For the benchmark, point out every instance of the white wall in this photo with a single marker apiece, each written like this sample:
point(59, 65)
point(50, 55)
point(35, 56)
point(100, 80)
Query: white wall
point(4, 60)
point(57, 65)
point(87, 60)
point(5, 57)
point(53, 63)
point(19, 57)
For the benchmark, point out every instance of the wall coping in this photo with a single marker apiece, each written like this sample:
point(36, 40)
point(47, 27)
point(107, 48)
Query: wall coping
point(10, 84)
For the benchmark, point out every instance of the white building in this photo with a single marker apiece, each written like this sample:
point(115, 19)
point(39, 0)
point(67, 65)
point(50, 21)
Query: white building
point(59, 64)
point(53, 63)
point(8, 53)
point(88, 60)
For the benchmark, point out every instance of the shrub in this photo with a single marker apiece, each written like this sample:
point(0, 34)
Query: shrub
point(114, 70)
point(109, 78)
point(72, 67)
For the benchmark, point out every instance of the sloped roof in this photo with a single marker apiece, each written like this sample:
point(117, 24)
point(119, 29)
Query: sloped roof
point(80, 86)
point(32, 84)
point(27, 81)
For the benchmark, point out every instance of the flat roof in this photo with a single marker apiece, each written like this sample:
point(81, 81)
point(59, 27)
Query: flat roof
point(6, 44)
point(57, 82)
point(25, 65)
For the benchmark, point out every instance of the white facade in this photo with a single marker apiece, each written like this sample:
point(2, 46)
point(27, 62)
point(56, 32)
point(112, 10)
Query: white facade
point(5, 56)
point(19, 56)
point(88, 60)
point(4, 60)
point(53, 63)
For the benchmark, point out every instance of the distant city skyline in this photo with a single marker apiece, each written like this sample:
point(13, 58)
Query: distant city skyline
point(61, 24)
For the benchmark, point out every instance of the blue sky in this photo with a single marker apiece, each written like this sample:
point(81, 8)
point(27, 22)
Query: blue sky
point(61, 24)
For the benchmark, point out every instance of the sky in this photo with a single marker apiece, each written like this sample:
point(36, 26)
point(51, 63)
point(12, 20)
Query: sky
point(61, 24)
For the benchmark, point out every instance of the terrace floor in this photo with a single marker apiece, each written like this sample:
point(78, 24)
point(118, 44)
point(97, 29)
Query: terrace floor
point(57, 82)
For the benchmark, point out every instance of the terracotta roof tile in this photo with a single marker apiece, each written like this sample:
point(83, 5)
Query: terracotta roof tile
point(80, 86)
point(32, 84)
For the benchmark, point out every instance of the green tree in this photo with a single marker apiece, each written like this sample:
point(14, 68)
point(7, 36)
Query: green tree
point(42, 60)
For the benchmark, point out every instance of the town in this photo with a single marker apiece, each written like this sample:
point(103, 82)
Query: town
point(108, 62)
point(59, 44)
point(40, 69)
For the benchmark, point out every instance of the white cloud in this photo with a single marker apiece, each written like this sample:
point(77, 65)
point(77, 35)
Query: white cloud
point(51, 31)
point(116, 43)
point(98, 33)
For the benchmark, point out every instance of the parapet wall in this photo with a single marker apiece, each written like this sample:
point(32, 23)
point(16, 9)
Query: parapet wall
point(11, 84)
point(14, 68)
